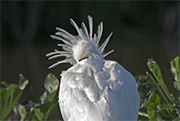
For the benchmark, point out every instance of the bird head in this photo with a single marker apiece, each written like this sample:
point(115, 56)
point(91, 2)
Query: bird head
point(83, 49)
point(81, 46)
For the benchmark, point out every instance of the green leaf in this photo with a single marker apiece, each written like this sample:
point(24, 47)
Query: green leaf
point(55, 115)
point(44, 97)
point(4, 98)
point(143, 114)
point(39, 114)
point(22, 112)
point(156, 99)
point(49, 109)
point(22, 82)
point(153, 105)
point(9, 98)
point(165, 114)
point(34, 118)
point(51, 83)
point(51, 96)
point(7, 95)
point(46, 108)
point(175, 70)
point(144, 89)
point(155, 69)
point(30, 114)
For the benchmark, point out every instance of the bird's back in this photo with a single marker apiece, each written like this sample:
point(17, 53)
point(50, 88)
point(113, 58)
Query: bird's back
point(98, 90)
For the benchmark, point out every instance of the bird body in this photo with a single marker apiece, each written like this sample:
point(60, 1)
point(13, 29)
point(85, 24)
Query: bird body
point(98, 90)
point(93, 89)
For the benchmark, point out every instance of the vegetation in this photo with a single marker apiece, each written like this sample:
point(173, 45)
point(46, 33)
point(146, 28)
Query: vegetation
point(157, 103)
point(38, 111)
point(9, 96)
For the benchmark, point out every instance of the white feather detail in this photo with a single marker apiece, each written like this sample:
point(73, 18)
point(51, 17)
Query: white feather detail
point(102, 47)
point(108, 53)
point(59, 62)
point(85, 30)
point(81, 46)
point(101, 90)
point(90, 26)
point(65, 32)
point(100, 31)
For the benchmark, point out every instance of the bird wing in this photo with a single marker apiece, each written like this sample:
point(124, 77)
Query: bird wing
point(97, 90)
point(122, 95)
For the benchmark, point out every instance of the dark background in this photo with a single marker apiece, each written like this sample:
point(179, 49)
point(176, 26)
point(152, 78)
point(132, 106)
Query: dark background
point(141, 30)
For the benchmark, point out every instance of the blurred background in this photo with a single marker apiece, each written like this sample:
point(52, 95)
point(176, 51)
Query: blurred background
point(141, 30)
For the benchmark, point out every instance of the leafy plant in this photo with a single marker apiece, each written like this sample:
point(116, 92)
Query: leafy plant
point(157, 103)
point(9, 96)
point(176, 72)
point(43, 110)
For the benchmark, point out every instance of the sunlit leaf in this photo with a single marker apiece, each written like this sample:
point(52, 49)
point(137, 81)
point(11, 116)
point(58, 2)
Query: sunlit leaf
point(143, 114)
point(176, 72)
point(3, 83)
point(51, 83)
point(44, 97)
point(22, 112)
point(154, 68)
point(22, 82)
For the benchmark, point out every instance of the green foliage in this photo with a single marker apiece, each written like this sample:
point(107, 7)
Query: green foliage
point(157, 103)
point(44, 110)
point(9, 96)
point(22, 112)
point(176, 72)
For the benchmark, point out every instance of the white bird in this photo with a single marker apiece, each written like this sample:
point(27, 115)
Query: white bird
point(93, 89)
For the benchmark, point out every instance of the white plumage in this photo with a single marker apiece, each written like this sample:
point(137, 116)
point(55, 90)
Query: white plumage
point(93, 89)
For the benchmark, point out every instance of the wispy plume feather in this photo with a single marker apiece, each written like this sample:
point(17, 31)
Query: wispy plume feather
point(70, 42)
